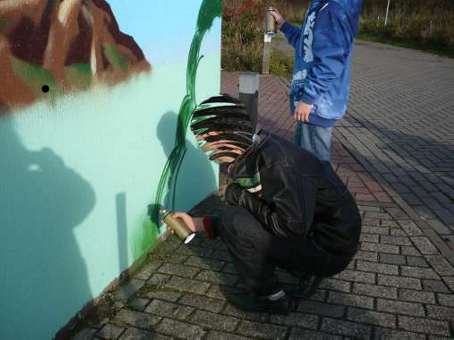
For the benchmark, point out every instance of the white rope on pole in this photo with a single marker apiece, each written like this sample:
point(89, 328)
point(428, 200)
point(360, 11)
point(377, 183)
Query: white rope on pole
point(387, 12)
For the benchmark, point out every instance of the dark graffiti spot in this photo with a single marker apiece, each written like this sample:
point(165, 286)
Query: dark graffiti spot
point(45, 88)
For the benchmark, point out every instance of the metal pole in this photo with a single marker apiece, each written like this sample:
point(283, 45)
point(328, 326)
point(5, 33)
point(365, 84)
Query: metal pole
point(249, 93)
point(249, 96)
point(266, 54)
point(387, 12)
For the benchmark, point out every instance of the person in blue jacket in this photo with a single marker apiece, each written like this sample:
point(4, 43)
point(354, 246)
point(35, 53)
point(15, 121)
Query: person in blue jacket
point(321, 74)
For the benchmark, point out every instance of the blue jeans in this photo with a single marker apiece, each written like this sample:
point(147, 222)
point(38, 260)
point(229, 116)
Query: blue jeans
point(316, 139)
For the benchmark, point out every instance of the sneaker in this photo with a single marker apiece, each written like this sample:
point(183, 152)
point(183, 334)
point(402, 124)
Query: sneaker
point(276, 303)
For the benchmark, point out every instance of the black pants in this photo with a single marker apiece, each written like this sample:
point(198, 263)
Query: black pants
point(256, 252)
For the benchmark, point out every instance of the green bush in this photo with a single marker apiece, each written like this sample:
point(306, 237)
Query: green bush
point(423, 24)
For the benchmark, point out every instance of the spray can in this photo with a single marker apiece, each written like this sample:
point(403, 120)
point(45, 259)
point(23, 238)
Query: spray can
point(177, 226)
point(270, 22)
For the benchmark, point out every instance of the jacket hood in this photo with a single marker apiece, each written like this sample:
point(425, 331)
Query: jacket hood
point(353, 9)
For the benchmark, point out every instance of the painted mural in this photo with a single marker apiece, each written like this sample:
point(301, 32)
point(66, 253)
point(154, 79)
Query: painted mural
point(95, 103)
point(49, 48)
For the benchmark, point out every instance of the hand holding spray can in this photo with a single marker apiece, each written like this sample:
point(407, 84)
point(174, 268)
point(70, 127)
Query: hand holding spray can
point(177, 225)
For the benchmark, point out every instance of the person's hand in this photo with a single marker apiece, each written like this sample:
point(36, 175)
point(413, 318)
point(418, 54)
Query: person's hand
point(195, 224)
point(302, 112)
point(277, 16)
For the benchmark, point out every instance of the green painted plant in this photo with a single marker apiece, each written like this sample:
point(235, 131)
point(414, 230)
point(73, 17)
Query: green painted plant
point(165, 195)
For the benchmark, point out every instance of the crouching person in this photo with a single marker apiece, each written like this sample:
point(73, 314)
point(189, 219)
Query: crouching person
point(285, 209)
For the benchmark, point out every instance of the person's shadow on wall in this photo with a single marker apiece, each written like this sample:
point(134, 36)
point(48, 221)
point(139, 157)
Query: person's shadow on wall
point(196, 174)
point(43, 277)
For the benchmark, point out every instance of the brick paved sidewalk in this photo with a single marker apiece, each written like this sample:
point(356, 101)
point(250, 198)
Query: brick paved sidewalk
point(398, 287)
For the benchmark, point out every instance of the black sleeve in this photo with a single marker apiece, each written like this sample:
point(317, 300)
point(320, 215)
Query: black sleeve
point(291, 209)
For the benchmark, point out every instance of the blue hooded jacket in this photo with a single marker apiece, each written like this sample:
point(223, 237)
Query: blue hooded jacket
point(323, 49)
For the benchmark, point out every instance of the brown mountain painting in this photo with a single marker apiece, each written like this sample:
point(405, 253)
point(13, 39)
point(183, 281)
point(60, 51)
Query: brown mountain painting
point(52, 47)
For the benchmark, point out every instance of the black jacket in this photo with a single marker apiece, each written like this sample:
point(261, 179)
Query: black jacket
point(300, 197)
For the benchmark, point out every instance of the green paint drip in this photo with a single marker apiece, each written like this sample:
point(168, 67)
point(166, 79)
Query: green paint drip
point(209, 10)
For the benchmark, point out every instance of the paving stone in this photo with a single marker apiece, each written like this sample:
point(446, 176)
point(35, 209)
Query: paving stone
point(138, 304)
point(435, 286)
point(204, 263)
point(370, 317)
point(410, 250)
point(449, 280)
point(441, 265)
point(381, 268)
point(140, 334)
point(422, 273)
point(357, 276)
point(440, 312)
point(296, 319)
point(367, 256)
point(345, 328)
point(127, 317)
point(187, 285)
point(351, 300)
point(375, 290)
point(202, 302)
point(399, 281)
point(375, 230)
point(334, 284)
point(262, 330)
point(215, 335)
point(417, 261)
point(110, 331)
point(179, 270)
point(423, 325)
point(383, 248)
point(149, 268)
point(299, 333)
point(416, 296)
point(446, 299)
point(243, 315)
point(424, 245)
point(180, 329)
point(214, 321)
point(217, 277)
point(398, 232)
point(157, 279)
point(321, 308)
point(395, 240)
point(400, 307)
point(125, 291)
point(176, 258)
point(369, 237)
point(216, 292)
point(164, 294)
point(392, 258)
point(410, 228)
point(391, 334)
point(169, 309)
point(439, 227)
point(389, 223)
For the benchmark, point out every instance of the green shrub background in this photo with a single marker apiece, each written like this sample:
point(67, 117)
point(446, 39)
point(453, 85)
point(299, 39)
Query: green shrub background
point(421, 24)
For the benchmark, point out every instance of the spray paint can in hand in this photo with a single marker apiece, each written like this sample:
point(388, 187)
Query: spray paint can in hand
point(177, 226)
point(270, 22)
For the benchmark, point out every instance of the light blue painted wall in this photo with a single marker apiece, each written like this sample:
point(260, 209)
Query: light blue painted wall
point(77, 176)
